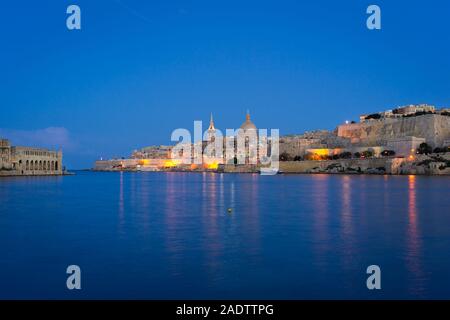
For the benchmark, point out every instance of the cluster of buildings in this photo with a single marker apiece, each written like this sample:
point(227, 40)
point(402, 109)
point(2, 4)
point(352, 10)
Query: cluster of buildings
point(398, 132)
point(245, 147)
point(404, 111)
point(16, 160)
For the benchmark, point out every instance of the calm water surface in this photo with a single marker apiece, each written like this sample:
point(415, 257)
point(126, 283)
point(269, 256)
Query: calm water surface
point(170, 236)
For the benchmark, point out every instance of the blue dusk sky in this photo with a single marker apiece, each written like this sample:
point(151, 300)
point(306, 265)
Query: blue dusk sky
point(139, 69)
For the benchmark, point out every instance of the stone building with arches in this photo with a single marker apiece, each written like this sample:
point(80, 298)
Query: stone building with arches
point(28, 161)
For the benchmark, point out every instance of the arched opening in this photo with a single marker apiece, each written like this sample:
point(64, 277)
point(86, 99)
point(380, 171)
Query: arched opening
point(31, 165)
point(40, 165)
point(48, 165)
point(52, 166)
point(56, 165)
point(27, 165)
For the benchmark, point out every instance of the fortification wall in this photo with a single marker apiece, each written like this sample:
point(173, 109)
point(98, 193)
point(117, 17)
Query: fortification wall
point(358, 165)
point(116, 164)
point(230, 168)
point(433, 127)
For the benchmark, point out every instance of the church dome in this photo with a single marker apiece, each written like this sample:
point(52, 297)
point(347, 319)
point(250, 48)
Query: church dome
point(248, 124)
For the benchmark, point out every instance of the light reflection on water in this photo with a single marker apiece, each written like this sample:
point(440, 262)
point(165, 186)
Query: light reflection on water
point(413, 252)
point(322, 240)
point(170, 235)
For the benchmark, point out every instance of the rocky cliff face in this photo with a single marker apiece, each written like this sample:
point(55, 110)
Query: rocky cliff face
point(435, 164)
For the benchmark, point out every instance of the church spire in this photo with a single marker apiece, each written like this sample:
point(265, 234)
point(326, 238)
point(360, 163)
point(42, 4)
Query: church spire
point(211, 123)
